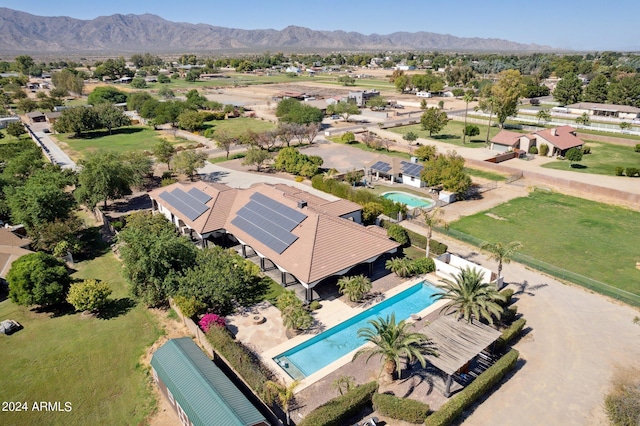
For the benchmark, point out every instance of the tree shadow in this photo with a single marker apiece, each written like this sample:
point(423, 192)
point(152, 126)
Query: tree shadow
point(213, 176)
point(578, 166)
point(56, 310)
point(524, 288)
point(115, 308)
point(445, 137)
point(140, 202)
point(102, 133)
point(93, 244)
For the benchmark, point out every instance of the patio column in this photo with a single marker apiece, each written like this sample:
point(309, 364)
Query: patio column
point(283, 278)
point(262, 264)
point(309, 295)
point(370, 269)
point(447, 391)
point(244, 250)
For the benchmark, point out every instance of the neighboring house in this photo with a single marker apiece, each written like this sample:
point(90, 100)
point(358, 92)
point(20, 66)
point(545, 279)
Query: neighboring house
point(362, 96)
point(307, 238)
point(293, 69)
point(604, 110)
point(124, 80)
point(12, 247)
point(199, 392)
point(558, 139)
point(51, 117)
point(396, 170)
point(36, 117)
point(321, 104)
point(5, 121)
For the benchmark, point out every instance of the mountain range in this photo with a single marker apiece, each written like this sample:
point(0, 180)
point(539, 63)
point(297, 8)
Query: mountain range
point(22, 32)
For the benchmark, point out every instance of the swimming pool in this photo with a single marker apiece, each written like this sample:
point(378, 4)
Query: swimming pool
point(334, 343)
point(412, 201)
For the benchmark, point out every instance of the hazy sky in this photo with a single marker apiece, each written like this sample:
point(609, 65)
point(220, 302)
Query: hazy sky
point(579, 25)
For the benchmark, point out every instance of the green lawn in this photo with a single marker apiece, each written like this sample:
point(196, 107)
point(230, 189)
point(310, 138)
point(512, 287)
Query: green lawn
point(484, 174)
point(593, 239)
point(92, 363)
point(452, 134)
point(603, 160)
point(364, 147)
point(126, 139)
point(240, 125)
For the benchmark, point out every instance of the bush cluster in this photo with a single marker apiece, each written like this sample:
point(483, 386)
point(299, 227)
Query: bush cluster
point(637, 148)
point(435, 247)
point(533, 149)
point(407, 410)
point(241, 359)
point(544, 149)
point(211, 320)
point(290, 160)
point(631, 171)
point(508, 295)
point(337, 411)
point(348, 137)
point(405, 267)
point(483, 383)
point(398, 234)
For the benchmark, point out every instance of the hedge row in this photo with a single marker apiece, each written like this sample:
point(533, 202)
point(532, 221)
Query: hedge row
point(407, 410)
point(629, 171)
point(510, 333)
point(337, 411)
point(435, 247)
point(243, 361)
point(482, 384)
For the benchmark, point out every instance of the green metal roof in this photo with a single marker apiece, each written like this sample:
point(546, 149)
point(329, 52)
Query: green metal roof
point(203, 391)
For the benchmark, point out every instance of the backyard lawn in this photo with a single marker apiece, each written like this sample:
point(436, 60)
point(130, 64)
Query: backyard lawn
point(603, 160)
point(126, 139)
point(592, 239)
point(238, 126)
point(452, 134)
point(92, 363)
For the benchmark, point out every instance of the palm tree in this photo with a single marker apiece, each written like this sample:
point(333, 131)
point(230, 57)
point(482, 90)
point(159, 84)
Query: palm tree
point(393, 341)
point(468, 97)
point(501, 253)
point(354, 287)
point(433, 218)
point(469, 297)
point(283, 393)
point(343, 384)
point(400, 266)
point(488, 104)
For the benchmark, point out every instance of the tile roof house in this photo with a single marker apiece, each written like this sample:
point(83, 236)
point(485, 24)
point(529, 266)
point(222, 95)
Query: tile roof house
point(199, 392)
point(302, 235)
point(396, 170)
point(12, 247)
point(558, 139)
point(605, 110)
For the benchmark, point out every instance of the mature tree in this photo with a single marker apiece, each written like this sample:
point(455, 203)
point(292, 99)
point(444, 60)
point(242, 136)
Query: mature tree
point(286, 132)
point(77, 120)
point(468, 97)
point(410, 137)
point(166, 93)
point(24, 62)
point(58, 237)
point(568, 90)
point(68, 80)
point(448, 171)
point(344, 109)
point(164, 152)
point(140, 166)
point(434, 120)
point(574, 155)
point(153, 256)
point(377, 103)
point(111, 117)
point(166, 112)
point(112, 68)
point(471, 130)
point(393, 342)
point(256, 157)
point(188, 161)
point(27, 105)
point(89, 295)
point(346, 80)
point(104, 176)
point(21, 159)
point(597, 90)
point(355, 287)
point(402, 82)
point(224, 140)
point(469, 298)
point(583, 119)
point(283, 393)
point(190, 120)
point(432, 218)
point(139, 83)
point(501, 252)
point(222, 280)
point(506, 93)
point(106, 94)
point(426, 152)
point(37, 279)
point(625, 91)
point(195, 99)
point(543, 115)
point(488, 104)
point(16, 130)
point(137, 99)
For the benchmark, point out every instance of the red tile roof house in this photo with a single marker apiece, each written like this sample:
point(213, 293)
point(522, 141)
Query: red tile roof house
point(559, 140)
point(305, 237)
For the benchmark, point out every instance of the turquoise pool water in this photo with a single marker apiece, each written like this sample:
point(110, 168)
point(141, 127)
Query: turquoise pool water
point(332, 344)
point(411, 201)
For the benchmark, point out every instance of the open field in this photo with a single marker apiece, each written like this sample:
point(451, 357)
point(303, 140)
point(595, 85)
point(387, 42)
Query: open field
point(451, 134)
point(240, 125)
point(93, 363)
point(592, 239)
point(603, 160)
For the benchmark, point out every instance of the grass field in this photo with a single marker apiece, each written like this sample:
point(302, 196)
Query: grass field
point(484, 174)
point(92, 363)
point(238, 126)
point(126, 139)
point(596, 240)
point(451, 134)
point(603, 160)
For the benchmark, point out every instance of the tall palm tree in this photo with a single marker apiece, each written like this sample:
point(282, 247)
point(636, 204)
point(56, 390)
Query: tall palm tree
point(468, 97)
point(488, 104)
point(469, 297)
point(433, 218)
point(283, 393)
point(354, 287)
point(393, 341)
point(501, 253)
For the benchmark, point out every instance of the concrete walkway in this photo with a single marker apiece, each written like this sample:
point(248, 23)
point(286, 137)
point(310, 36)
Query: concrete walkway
point(54, 152)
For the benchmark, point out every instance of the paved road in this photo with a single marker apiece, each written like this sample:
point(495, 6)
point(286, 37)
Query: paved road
point(53, 151)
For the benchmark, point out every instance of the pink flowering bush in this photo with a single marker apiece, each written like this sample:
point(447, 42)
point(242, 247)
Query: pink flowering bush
point(211, 320)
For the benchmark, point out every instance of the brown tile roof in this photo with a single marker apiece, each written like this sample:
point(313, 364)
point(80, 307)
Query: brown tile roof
point(335, 208)
point(505, 137)
point(8, 255)
point(564, 137)
point(8, 238)
point(605, 107)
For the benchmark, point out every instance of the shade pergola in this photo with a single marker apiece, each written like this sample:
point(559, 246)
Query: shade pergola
point(456, 343)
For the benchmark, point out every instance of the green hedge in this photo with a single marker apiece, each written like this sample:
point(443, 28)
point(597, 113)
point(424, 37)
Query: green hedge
point(407, 410)
point(508, 295)
point(435, 247)
point(481, 385)
point(510, 333)
point(242, 360)
point(337, 411)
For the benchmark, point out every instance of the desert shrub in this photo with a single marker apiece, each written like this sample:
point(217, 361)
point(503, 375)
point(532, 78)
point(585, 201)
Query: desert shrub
point(619, 171)
point(189, 306)
point(242, 360)
point(167, 175)
point(168, 181)
point(637, 148)
point(398, 234)
point(544, 149)
point(407, 410)
point(315, 305)
point(465, 398)
point(622, 404)
point(631, 171)
point(348, 137)
point(472, 130)
point(337, 411)
point(211, 320)
point(533, 149)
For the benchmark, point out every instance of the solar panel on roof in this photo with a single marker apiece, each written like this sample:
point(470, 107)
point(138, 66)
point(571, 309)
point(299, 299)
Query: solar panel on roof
point(272, 241)
point(286, 211)
point(178, 199)
point(411, 169)
point(199, 195)
point(187, 199)
point(381, 166)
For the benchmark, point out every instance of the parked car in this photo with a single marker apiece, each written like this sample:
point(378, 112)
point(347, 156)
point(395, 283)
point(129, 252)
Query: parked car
point(335, 117)
point(9, 326)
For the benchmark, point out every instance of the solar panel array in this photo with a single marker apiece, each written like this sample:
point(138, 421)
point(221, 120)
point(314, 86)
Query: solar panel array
point(411, 169)
point(382, 166)
point(185, 203)
point(269, 221)
point(199, 195)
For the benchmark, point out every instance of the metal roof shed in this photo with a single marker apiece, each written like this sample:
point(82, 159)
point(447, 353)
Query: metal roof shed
point(199, 391)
